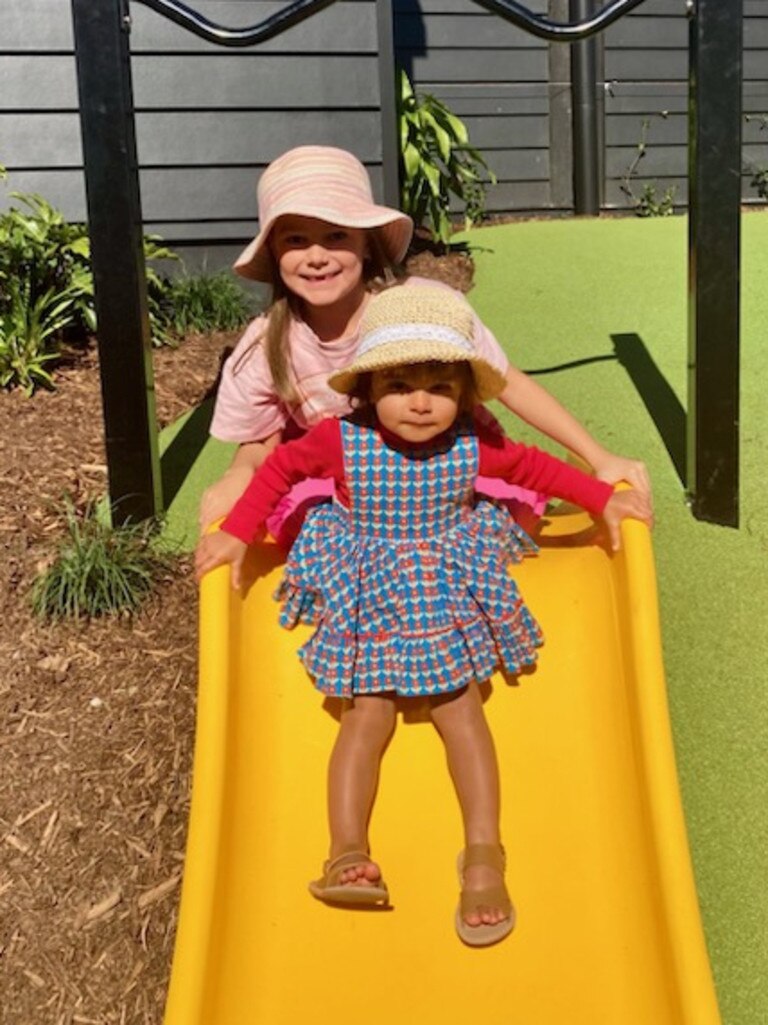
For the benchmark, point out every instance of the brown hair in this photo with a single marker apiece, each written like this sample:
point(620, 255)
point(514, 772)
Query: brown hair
point(468, 399)
point(378, 273)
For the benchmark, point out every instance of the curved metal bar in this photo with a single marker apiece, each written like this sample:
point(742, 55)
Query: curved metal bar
point(557, 31)
point(192, 20)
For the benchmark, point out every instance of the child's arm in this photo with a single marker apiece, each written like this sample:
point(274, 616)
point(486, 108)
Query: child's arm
point(317, 454)
point(532, 403)
point(532, 468)
point(220, 497)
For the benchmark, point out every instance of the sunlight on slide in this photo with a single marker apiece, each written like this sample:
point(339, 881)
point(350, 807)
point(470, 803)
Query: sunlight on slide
point(608, 928)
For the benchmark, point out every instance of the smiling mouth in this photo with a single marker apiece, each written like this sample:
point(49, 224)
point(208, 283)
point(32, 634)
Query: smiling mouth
point(318, 279)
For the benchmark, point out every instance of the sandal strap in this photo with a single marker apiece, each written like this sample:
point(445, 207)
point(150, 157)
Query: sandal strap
point(490, 854)
point(490, 897)
point(332, 869)
point(493, 856)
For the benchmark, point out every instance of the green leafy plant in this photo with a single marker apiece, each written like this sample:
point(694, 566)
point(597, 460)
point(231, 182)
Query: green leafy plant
point(437, 162)
point(99, 569)
point(648, 203)
point(29, 327)
point(204, 302)
point(46, 288)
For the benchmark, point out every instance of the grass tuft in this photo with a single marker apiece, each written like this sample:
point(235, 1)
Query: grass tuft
point(99, 569)
point(205, 302)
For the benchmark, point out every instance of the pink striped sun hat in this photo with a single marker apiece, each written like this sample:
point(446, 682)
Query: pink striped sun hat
point(329, 184)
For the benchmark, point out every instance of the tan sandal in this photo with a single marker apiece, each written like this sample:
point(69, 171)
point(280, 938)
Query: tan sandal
point(330, 889)
point(492, 896)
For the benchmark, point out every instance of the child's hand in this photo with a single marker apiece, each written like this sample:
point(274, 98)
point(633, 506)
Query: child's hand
point(612, 469)
point(218, 549)
point(622, 505)
point(220, 497)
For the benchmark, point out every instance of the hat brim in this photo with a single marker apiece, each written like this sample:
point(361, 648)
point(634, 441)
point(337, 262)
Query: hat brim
point(489, 380)
point(395, 231)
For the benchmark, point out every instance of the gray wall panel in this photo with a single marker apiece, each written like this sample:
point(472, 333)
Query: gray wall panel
point(461, 32)
point(26, 140)
point(493, 132)
point(209, 119)
point(477, 66)
point(63, 189)
point(343, 27)
point(254, 80)
point(627, 129)
point(36, 25)
point(37, 83)
point(250, 137)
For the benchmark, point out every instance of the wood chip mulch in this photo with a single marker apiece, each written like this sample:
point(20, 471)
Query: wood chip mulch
point(96, 734)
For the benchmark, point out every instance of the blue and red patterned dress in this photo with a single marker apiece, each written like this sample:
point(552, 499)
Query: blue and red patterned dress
point(408, 586)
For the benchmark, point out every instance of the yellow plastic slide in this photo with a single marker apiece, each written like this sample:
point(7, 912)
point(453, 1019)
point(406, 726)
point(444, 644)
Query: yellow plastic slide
point(608, 926)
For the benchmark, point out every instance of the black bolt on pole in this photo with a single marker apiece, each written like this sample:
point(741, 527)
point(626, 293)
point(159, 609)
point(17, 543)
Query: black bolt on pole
point(714, 155)
point(586, 134)
point(117, 257)
point(388, 89)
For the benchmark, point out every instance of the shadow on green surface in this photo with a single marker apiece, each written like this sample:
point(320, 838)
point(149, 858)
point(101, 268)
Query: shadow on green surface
point(663, 405)
point(180, 455)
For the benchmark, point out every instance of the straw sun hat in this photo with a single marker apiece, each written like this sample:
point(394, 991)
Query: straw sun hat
point(418, 324)
point(329, 184)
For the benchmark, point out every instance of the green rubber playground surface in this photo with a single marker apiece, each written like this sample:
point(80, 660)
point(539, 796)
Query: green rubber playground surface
point(597, 310)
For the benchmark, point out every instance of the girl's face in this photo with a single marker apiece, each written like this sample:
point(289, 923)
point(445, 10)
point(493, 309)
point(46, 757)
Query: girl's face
point(320, 263)
point(418, 401)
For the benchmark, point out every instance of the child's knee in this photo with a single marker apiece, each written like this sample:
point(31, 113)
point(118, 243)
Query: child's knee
point(372, 717)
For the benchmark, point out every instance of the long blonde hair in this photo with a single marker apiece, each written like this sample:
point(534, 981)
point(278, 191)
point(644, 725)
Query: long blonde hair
point(378, 273)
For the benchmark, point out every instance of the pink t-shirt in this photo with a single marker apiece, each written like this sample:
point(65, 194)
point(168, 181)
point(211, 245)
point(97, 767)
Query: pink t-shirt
point(247, 408)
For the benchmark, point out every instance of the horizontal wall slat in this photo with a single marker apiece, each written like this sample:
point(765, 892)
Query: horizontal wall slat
point(496, 132)
point(431, 7)
point(203, 82)
point(233, 137)
point(478, 66)
point(43, 25)
point(37, 25)
point(641, 66)
point(651, 33)
point(659, 160)
point(52, 85)
point(255, 81)
point(341, 28)
point(627, 130)
point(461, 32)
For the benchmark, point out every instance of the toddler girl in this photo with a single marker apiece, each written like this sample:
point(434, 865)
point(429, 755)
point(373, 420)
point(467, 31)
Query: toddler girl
point(406, 578)
point(324, 247)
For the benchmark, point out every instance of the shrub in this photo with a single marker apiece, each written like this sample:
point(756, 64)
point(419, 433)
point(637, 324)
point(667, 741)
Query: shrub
point(29, 327)
point(99, 569)
point(437, 161)
point(46, 288)
point(204, 302)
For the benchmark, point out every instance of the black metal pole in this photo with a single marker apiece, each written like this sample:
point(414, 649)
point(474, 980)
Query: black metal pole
point(117, 257)
point(714, 155)
point(388, 86)
point(586, 133)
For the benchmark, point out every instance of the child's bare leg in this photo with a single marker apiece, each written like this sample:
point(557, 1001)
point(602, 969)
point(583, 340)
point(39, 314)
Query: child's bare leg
point(353, 774)
point(471, 754)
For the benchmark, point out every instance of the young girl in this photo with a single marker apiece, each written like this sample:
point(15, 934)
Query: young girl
point(324, 247)
point(407, 579)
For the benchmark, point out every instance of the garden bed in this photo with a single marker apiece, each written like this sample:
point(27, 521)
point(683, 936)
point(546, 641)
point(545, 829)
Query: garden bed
point(98, 724)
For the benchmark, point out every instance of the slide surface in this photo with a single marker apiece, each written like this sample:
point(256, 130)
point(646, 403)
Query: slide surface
point(608, 926)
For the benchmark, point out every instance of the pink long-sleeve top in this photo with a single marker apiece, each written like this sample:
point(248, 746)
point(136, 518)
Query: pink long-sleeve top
point(319, 453)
